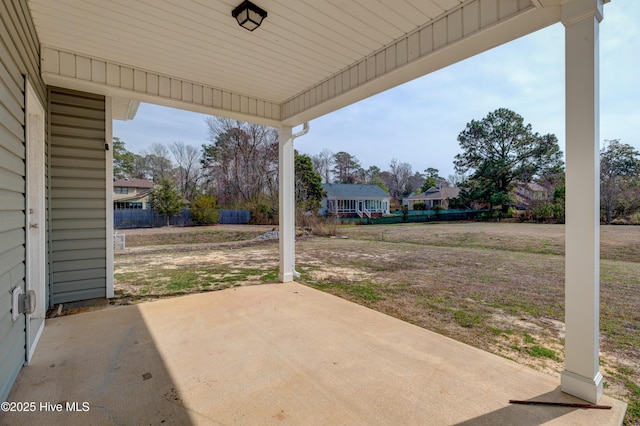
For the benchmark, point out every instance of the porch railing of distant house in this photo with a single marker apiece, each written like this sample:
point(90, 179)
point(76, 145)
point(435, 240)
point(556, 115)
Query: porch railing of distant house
point(363, 212)
point(340, 207)
point(147, 218)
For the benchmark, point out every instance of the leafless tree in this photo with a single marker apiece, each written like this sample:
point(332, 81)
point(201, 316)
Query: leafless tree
point(414, 183)
point(322, 163)
point(398, 178)
point(188, 170)
point(456, 179)
point(155, 162)
point(241, 163)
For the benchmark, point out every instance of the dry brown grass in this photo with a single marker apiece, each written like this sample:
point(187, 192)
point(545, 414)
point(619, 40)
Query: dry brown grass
point(191, 235)
point(617, 242)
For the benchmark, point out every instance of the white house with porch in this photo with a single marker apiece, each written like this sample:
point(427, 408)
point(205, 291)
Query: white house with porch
point(354, 200)
point(69, 67)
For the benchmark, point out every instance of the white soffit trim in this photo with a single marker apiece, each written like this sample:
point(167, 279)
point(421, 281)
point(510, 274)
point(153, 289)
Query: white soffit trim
point(124, 109)
point(78, 72)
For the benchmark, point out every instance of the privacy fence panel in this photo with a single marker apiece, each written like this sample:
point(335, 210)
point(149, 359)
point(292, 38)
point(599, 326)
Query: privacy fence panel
point(234, 217)
point(137, 218)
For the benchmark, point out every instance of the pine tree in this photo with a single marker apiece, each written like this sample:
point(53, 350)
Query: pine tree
point(166, 200)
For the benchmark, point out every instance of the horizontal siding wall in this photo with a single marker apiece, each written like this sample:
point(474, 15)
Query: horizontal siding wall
point(19, 57)
point(78, 196)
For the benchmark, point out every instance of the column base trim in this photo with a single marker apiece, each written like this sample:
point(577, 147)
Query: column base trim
point(285, 277)
point(582, 387)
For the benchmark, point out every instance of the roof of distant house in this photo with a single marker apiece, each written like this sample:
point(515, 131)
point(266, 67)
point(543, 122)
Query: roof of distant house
point(136, 197)
point(133, 183)
point(533, 186)
point(434, 193)
point(347, 191)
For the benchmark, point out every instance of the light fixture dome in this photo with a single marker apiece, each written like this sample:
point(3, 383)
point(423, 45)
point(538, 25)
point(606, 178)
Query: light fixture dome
point(248, 15)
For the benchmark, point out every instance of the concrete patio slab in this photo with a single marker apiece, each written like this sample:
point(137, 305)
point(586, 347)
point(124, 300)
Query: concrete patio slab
point(275, 354)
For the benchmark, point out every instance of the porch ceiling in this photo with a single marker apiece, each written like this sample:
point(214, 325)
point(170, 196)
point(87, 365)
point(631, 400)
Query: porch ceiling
point(308, 58)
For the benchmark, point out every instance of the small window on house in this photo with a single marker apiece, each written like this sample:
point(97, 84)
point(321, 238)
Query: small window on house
point(121, 190)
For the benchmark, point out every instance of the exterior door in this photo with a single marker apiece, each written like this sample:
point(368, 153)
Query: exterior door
point(35, 217)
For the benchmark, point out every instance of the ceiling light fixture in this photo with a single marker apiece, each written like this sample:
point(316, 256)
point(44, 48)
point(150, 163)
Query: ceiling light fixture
point(248, 15)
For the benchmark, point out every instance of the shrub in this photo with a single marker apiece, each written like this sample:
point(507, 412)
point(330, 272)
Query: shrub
point(524, 216)
point(542, 212)
point(317, 225)
point(326, 227)
point(419, 206)
point(558, 212)
point(263, 213)
point(405, 212)
point(491, 215)
point(633, 219)
point(547, 212)
point(204, 210)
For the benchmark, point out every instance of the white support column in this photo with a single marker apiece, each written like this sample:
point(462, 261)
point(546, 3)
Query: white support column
point(286, 183)
point(581, 376)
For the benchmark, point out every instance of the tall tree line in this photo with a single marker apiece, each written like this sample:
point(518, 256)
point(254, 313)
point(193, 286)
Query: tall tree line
point(239, 167)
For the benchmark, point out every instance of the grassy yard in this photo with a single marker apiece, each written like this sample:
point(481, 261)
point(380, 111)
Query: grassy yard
point(192, 235)
point(496, 286)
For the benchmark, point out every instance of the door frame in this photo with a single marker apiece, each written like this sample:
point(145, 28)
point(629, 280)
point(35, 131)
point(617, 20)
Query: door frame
point(35, 216)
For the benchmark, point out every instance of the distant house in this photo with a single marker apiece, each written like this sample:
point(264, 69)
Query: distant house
point(353, 200)
point(532, 191)
point(433, 197)
point(132, 193)
point(529, 192)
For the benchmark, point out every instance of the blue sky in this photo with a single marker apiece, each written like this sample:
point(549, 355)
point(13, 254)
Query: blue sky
point(419, 122)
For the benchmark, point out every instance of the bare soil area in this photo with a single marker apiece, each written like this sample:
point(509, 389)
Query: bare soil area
point(499, 287)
